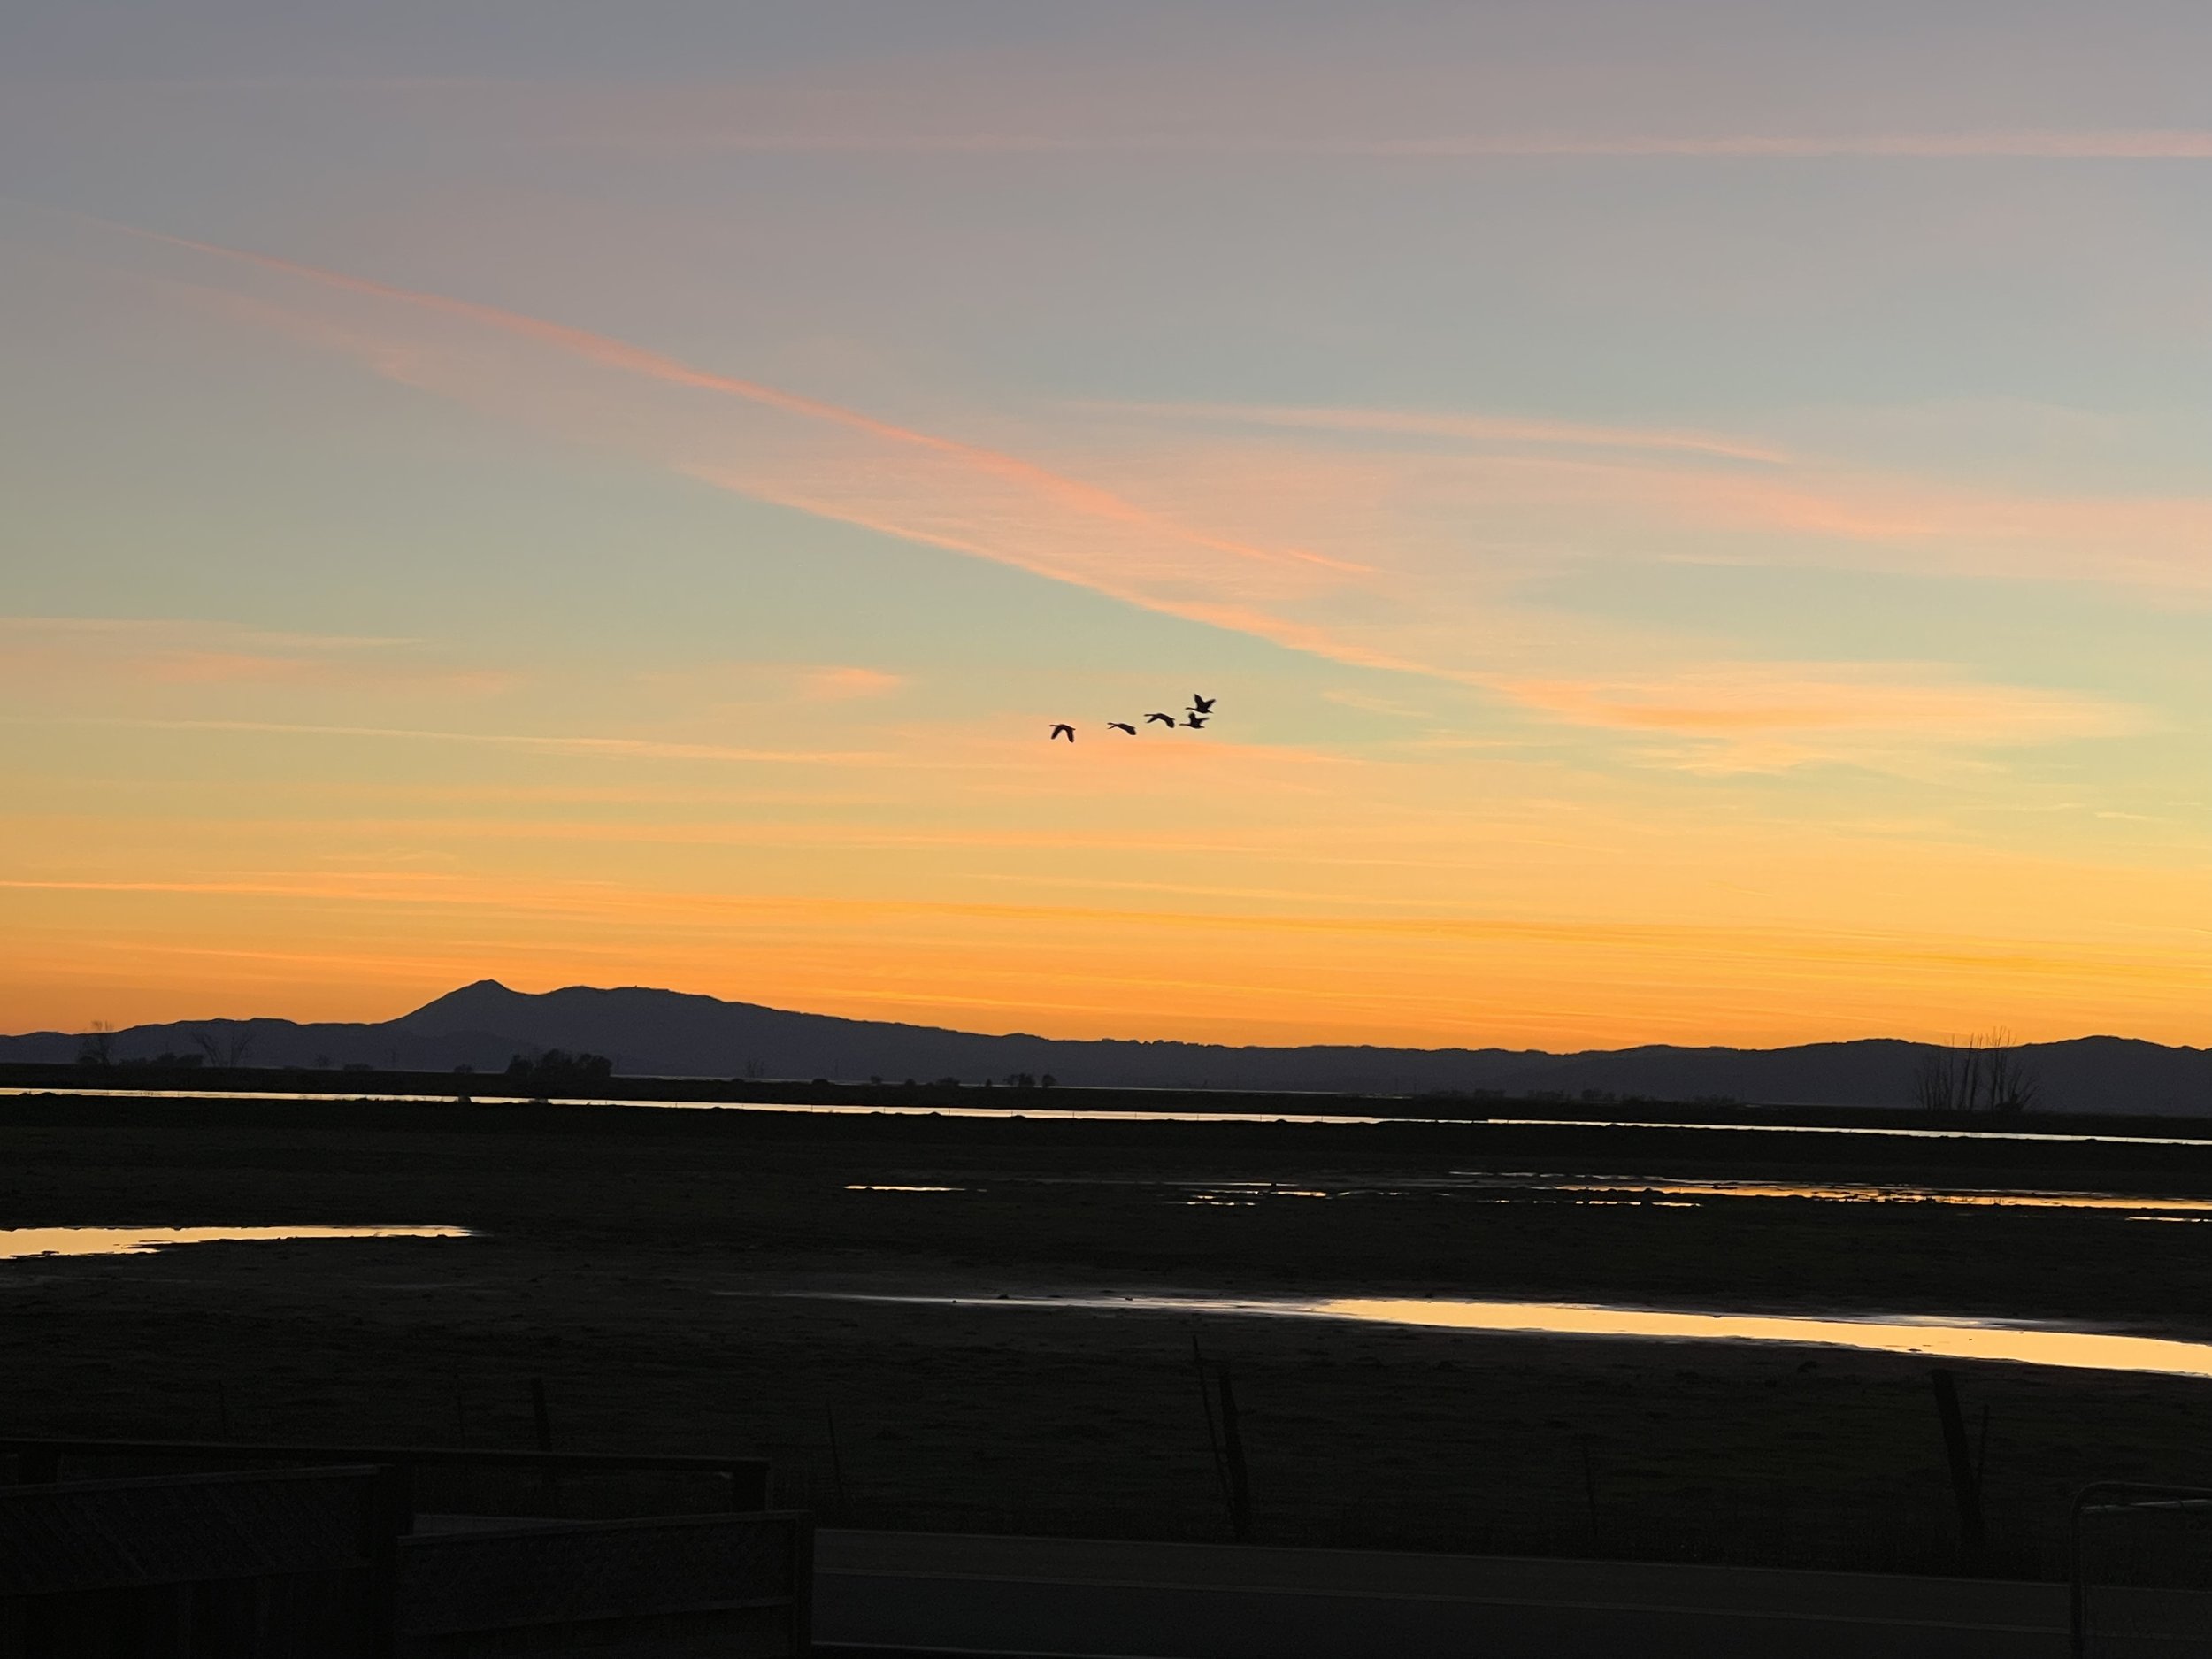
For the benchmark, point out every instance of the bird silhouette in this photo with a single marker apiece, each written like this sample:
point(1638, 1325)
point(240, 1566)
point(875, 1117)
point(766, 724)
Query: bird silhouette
point(1196, 722)
point(1061, 728)
point(1200, 705)
point(1165, 719)
point(1121, 725)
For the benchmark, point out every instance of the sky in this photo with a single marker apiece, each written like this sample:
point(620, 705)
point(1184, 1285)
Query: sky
point(1697, 518)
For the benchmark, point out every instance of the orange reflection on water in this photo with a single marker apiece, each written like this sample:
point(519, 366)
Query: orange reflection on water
point(26, 1241)
point(1936, 1339)
point(1931, 1338)
point(1243, 1195)
point(1840, 1192)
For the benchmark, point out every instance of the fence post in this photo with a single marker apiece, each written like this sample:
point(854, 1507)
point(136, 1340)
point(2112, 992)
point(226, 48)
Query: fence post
point(1240, 1488)
point(392, 1506)
point(550, 1484)
point(837, 1467)
point(1213, 1440)
point(1965, 1488)
point(801, 1584)
point(2077, 1588)
point(544, 1418)
point(1589, 1487)
point(749, 1484)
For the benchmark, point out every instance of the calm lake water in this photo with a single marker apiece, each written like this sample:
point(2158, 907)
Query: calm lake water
point(18, 1243)
point(2017, 1342)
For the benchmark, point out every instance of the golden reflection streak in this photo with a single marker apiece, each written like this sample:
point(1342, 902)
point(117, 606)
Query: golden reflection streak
point(18, 1243)
point(111, 1091)
point(2076, 1350)
point(1892, 1195)
point(1923, 1338)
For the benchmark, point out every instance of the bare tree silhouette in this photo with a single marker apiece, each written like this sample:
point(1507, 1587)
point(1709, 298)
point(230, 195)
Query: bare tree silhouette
point(1988, 1073)
point(2012, 1084)
point(97, 1047)
point(1931, 1083)
point(225, 1044)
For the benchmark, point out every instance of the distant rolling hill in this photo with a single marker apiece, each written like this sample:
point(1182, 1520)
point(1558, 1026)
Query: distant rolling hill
point(649, 1032)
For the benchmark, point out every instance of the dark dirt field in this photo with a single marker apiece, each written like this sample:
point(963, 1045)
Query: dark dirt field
point(644, 1262)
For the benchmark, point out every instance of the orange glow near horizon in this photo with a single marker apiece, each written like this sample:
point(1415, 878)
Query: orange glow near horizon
point(1404, 909)
point(635, 532)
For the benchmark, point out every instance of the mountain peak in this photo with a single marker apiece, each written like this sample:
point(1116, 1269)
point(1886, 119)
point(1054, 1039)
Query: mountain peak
point(484, 996)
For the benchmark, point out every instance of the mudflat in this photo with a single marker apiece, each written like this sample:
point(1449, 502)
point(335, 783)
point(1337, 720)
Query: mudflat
point(694, 1280)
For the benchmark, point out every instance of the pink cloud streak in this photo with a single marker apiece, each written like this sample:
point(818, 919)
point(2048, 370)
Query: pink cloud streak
point(1437, 612)
point(1482, 430)
point(2027, 144)
point(610, 352)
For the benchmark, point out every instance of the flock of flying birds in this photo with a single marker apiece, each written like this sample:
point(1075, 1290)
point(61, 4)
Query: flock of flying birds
point(1193, 719)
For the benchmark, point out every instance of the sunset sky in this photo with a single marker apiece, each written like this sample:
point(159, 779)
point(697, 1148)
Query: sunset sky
point(1698, 516)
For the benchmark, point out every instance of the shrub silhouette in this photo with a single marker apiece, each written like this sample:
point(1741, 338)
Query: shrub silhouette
point(557, 1069)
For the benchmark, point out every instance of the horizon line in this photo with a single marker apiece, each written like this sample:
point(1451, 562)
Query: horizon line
point(1996, 1037)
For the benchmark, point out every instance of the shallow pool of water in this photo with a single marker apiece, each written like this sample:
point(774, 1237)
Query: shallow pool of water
point(1528, 1187)
point(18, 1243)
point(2016, 1341)
point(1847, 1192)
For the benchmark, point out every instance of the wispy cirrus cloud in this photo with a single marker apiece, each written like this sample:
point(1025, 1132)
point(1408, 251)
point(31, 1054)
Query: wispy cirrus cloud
point(741, 435)
point(1439, 103)
point(759, 682)
point(1471, 428)
point(1385, 538)
point(1767, 716)
point(1437, 95)
point(644, 747)
point(1074, 495)
point(996, 758)
point(1536, 495)
point(2028, 144)
point(841, 682)
point(185, 652)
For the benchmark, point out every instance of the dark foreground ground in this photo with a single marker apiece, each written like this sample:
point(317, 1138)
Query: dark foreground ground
point(884, 1595)
point(643, 1263)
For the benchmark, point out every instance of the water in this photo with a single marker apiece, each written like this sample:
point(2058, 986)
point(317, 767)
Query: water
point(1076, 1114)
point(17, 1243)
point(1069, 1114)
point(1670, 1193)
point(1849, 1192)
point(1536, 1187)
point(2017, 1342)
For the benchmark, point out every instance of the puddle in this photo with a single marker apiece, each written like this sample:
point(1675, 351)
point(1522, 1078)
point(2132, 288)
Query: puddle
point(1666, 1192)
point(2017, 1343)
point(1850, 1193)
point(1243, 1196)
point(1613, 1191)
point(1882, 1132)
point(17, 1243)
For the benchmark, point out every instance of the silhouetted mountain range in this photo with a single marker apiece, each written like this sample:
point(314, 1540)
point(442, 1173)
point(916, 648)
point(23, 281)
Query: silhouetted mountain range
point(667, 1034)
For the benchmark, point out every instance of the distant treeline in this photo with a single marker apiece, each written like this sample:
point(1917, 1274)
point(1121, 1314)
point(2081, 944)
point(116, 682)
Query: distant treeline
point(648, 1033)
